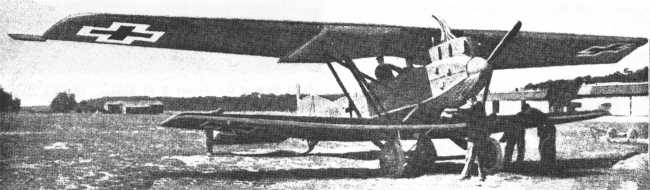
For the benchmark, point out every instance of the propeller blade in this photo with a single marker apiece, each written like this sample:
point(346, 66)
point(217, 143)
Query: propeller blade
point(502, 44)
point(497, 50)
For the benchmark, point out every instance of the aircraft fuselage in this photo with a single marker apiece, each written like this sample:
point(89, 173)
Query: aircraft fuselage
point(448, 82)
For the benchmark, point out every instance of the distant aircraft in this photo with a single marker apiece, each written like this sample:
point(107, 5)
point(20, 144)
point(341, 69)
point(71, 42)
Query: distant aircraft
point(447, 71)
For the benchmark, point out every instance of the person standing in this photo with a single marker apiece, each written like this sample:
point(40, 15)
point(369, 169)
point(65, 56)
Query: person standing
point(516, 137)
point(477, 140)
point(531, 117)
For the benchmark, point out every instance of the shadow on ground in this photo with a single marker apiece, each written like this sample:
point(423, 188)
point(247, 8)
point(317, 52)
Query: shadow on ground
point(361, 155)
point(569, 168)
point(328, 173)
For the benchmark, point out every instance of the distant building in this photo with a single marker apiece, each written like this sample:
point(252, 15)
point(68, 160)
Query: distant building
point(134, 107)
point(625, 98)
point(328, 105)
point(332, 106)
point(314, 105)
point(509, 103)
point(359, 101)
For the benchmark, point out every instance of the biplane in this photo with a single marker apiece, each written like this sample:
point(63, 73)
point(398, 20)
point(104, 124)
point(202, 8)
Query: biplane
point(446, 67)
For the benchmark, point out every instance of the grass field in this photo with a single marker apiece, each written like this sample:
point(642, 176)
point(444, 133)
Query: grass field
point(86, 151)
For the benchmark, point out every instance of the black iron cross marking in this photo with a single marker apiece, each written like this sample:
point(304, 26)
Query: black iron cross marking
point(121, 33)
point(596, 50)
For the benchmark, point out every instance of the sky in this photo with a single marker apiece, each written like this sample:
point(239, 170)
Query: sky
point(35, 72)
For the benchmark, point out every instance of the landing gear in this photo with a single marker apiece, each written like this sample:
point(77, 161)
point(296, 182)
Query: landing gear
point(392, 161)
point(424, 157)
point(395, 162)
point(311, 144)
point(494, 161)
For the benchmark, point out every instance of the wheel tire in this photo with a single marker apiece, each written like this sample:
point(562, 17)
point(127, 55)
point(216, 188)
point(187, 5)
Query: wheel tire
point(423, 157)
point(392, 161)
point(494, 162)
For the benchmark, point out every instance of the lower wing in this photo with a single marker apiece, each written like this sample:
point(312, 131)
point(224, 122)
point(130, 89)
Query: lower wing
point(265, 128)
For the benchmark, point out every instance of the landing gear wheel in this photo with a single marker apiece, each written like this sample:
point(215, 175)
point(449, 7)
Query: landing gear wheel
point(494, 161)
point(423, 158)
point(311, 144)
point(392, 161)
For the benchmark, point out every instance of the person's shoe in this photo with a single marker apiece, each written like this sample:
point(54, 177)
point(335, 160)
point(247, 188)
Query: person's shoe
point(464, 178)
point(479, 183)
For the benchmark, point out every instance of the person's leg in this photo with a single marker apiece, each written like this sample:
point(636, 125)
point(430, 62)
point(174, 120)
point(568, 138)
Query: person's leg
point(521, 151)
point(547, 153)
point(481, 158)
point(551, 148)
point(521, 145)
point(510, 146)
point(209, 141)
point(544, 154)
point(481, 170)
point(469, 159)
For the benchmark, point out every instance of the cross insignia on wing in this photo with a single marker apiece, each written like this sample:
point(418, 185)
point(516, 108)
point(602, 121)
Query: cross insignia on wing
point(121, 33)
point(597, 50)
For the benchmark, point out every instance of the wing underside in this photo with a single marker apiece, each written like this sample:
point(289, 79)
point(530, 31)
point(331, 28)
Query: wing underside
point(316, 42)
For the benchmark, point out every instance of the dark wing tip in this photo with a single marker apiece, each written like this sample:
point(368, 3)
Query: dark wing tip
point(643, 41)
point(27, 37)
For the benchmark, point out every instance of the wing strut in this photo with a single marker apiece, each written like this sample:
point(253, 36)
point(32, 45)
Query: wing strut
point(363, 84)
point(345, 91)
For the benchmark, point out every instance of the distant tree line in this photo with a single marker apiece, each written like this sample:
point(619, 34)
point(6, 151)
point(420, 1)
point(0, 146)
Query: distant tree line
point(84, 107)
point(560, 92)
point(248, 102)
point(63, 102)
point(8, 103)
point(640, 75)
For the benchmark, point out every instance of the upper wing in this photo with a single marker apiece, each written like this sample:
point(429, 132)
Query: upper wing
point(304, 42)
point(314, 42)
point(537, 49)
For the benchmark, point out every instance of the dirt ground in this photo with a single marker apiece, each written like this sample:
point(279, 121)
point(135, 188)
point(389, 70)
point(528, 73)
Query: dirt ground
point(86, 151)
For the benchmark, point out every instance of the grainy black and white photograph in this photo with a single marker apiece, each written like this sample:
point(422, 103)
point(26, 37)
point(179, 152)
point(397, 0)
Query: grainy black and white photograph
point(324, 94)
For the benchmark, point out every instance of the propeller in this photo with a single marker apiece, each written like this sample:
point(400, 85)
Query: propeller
point(495, 53)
